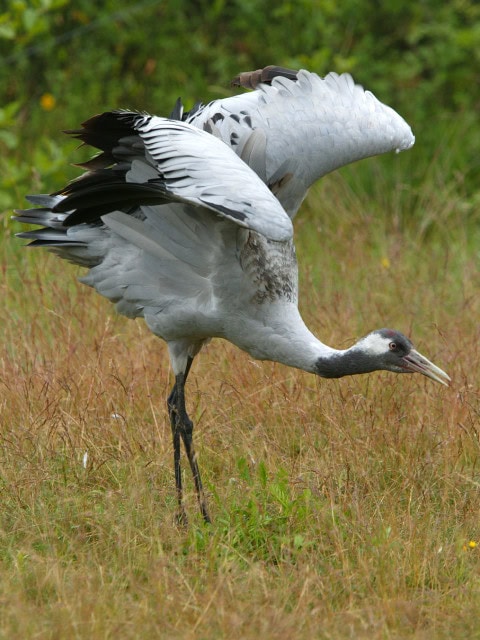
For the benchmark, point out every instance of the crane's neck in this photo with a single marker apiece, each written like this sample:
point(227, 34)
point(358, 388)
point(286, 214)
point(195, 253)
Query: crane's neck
point(285, 338)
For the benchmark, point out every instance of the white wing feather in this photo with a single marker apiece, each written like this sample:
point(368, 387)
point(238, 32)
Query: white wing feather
point(310, 126)
point(201, 170)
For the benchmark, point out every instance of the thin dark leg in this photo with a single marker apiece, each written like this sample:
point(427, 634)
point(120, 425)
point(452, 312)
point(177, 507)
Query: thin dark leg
point(171, 403)
point(182, 427)
point(186, 432)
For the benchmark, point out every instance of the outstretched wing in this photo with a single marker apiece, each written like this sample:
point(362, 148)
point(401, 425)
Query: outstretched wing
point(148, 160)
point(155, 220)
point(295, 127)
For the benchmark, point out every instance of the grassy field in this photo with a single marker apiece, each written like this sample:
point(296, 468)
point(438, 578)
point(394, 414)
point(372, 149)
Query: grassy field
point(342, 509)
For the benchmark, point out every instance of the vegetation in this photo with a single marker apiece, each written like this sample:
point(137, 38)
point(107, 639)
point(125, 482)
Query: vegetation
point(342, 509)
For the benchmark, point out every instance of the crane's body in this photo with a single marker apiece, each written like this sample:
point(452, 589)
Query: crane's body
point(175, 228)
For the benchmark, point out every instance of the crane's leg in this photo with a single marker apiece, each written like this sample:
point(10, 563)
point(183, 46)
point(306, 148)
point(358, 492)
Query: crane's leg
point(171, 403)
point(182, 427)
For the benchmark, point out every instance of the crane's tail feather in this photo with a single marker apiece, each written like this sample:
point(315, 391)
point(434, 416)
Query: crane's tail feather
point(48, 238)
point(88, 200)
point(53, 229)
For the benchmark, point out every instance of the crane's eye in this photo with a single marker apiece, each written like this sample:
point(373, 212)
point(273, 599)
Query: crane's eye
point(393, 346)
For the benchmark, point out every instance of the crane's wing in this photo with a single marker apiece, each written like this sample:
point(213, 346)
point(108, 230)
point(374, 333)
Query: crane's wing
point(296, 127)
point(157, 221)
point(148, 160)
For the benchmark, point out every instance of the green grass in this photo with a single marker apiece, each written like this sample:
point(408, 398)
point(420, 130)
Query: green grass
point(342, 509)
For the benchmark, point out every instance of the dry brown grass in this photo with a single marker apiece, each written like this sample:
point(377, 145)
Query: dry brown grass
point(341, 508)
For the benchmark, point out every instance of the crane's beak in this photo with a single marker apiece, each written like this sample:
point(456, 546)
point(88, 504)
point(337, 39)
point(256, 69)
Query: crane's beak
point(414, 362)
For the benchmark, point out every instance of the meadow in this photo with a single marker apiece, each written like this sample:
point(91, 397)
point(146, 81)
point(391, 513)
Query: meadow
point(341, 508)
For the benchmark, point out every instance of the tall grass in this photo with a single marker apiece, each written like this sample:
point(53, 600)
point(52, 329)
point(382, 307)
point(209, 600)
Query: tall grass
point(342, 509)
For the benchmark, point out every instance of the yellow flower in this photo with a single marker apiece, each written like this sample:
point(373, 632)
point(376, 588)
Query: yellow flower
point(47, 102)
point(472, 544)
point(385, 262)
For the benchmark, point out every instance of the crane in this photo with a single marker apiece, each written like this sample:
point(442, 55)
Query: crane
point(174, 227)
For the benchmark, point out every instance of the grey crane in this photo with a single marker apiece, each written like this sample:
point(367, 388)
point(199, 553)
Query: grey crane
point(174, 227)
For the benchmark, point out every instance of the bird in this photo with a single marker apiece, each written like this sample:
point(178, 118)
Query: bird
point(173, 226)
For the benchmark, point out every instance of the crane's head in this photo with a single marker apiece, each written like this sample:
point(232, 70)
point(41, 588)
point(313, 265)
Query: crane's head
point(385, 349)
point(394, 352)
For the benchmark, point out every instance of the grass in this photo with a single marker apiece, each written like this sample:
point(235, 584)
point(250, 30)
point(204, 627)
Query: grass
point(342, 509)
